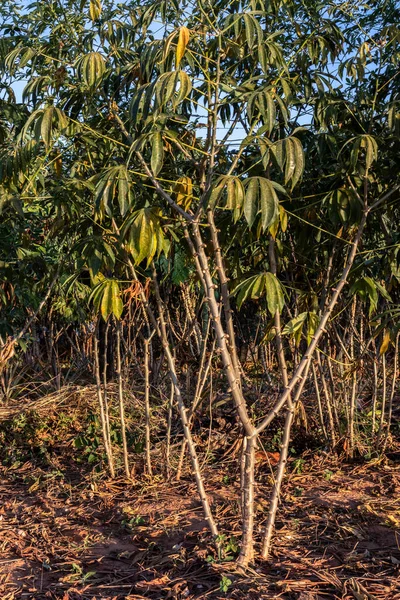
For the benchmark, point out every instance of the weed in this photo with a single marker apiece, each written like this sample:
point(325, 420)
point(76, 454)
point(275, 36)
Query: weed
point(328, 475)
point(224, 584)
point(298, 465)
point(133, 522)
point(227, 548)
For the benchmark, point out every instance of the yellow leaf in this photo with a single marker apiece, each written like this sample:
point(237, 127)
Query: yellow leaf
point(283, 218)
point(184, 192)
point(95, 9)
point(273, 229)
point(183, 41)
point(58, 164)
point(385, 343)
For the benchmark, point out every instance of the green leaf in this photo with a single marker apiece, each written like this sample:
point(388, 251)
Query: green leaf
point(260, 195)
point(51, 119)
point(183, 190)
point(46, 125)
point(215, 191)
point(295, 324)
point(251, 287)
point(111, 302)
point(269, 203)
point(364, 145)
point(157, 153)
point(107, 184)
point(144, 233)
point(185, 87)
point(123, 190)
point(250, 31)
point(234, 196)
point(366, 288)
point(299, 160)
point(294, 160)
point(117, 304)
point(274, 293)
point(382, 290)
point(312, 325)
point(91, 69)
point(251, 200)
point(256, 286)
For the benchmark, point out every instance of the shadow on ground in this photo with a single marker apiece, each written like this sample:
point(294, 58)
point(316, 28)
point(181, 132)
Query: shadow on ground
point(65, 538)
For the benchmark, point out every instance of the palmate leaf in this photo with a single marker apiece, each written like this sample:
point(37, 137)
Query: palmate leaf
point(261, 105)
point(250, 288)
point(46, 122)
point(169, 90)
point(289, 157)
point(183, 90)
point(247, 23)
point(227, 192)
point(294, 161)
point(344, 206)
point(180, 271)
point(235, 197)
point(274, 293)
point(172, 87)
point(253, 30)
point(281, 220)
point(269, 203)
point(148, 59)
point(368, 289)
point(91, 69)
point(36, 87)
point(19, 160)
point(95, 9)
point(19, 58)
point(111, 303)
point(394, 117)
point(257, 286)
point(363, 147)
point(96, 254)
point(183, 190)
point(106, 298)
point(294, 327)
point(295, 324)
point(112, 180)
point(313, 321)
point(136, 107)
point(215, 191)
point(260, 196)
point(144, 233)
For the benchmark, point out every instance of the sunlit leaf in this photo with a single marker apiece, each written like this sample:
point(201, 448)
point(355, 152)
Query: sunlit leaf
point(183, 40)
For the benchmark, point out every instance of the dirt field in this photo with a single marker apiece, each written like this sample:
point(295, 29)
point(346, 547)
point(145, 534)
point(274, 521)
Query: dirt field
point(68, 537)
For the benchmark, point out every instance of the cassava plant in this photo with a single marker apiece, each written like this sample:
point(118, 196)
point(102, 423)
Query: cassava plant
point(249, 146)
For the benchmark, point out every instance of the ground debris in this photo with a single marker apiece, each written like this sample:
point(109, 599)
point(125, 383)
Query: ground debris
point(336, 537)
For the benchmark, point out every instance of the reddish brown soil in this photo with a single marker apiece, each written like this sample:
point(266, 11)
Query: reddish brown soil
point(338, 536)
